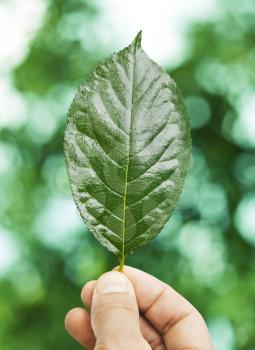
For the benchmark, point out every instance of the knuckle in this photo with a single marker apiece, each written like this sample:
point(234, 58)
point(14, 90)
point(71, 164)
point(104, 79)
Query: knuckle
point(156, 343)
point(101, 346)
point(124, 342)
point(106, 309)
point(107, 306)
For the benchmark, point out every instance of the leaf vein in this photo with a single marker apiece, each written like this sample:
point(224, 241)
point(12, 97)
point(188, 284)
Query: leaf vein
point(150, 192)
point(101, 223)
point(100, 147)
point(109, 115)
point(152, 209)
point(158, 159)
point(103, 206)
point(149, 88)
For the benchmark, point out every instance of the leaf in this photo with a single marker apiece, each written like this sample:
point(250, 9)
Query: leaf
point(127, 147)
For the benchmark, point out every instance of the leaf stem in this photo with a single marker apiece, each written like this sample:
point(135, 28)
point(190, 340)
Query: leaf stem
point(122, 261)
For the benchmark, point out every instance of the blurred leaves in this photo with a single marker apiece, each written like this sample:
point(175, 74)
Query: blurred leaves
point(206, 251)
point(58, 52)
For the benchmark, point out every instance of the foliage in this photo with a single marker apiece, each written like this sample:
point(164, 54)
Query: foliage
point(127, 147)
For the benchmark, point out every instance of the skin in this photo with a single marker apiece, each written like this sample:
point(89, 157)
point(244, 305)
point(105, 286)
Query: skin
point(134, 310)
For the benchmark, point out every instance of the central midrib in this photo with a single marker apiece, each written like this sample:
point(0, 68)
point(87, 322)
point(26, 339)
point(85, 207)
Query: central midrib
point(127, 168)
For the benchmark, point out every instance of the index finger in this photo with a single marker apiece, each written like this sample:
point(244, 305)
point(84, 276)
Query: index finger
point(172, 315)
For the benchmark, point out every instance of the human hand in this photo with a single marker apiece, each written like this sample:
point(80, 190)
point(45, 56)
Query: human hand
point(135, 311)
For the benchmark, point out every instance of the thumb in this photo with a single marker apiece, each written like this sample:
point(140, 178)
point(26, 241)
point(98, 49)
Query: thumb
point(115, 315)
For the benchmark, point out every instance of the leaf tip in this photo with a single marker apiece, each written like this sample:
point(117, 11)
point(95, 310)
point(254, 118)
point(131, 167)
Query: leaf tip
point(136, 43)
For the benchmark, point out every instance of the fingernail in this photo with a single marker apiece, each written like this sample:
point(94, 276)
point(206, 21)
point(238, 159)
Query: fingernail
point(112, 282)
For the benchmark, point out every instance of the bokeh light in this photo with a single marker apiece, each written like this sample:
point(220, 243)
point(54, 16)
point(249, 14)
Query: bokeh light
point(198, 110)
point(244, 218)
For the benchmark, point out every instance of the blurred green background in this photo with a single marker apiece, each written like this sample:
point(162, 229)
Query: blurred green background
point(206, 251)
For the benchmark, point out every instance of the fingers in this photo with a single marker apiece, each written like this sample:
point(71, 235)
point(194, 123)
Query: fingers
point(173, 316)
point(177, 321)
point(87, 293)
point(190, 331)
point(78, 325)
point(114, 314)
point(148, 332)
point(151, 335)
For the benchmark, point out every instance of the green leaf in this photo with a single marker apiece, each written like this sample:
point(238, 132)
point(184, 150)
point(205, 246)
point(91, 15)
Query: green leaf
point(127, 147)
